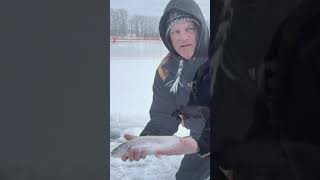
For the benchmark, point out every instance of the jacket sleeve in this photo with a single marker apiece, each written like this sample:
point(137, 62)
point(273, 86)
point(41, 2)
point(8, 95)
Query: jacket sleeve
point(200, 96)
point(204, 141)
point(163, 105)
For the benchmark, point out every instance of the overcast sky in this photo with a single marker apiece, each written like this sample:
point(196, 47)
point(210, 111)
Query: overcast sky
point(153, 7)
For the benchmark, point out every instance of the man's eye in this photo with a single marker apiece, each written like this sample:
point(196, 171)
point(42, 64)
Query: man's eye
point(191, 29)
point(175, 32)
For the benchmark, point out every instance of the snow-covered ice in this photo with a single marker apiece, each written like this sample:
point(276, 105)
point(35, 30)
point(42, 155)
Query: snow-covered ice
point(132, 69)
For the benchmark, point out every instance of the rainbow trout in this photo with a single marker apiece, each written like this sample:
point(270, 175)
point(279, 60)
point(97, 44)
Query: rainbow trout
point(149, 143)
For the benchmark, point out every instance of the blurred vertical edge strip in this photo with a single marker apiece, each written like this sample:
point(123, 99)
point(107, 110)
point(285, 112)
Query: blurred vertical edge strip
point(107, 91)
point(54, 89)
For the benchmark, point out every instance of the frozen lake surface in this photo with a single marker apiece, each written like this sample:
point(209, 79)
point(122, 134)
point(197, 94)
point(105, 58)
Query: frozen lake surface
point(132, 69)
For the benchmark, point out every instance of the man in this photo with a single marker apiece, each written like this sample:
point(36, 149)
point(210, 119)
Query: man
point(197, 106)
point(184, 32)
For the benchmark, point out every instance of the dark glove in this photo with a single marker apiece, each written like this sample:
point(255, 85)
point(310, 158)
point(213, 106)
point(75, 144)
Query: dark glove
point(193, 117)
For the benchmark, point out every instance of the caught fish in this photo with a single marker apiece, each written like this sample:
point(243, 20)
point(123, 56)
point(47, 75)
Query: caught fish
point(149, 143)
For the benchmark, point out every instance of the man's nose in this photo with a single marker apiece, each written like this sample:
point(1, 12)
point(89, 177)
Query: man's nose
point(184, 35)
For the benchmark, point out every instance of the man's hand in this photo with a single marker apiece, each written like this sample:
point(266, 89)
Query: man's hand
point(186, 145)
point(192, 117)
point(134, 154)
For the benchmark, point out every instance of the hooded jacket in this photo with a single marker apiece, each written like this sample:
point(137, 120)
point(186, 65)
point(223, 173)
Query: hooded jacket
point(191, 8)
point(164, 101)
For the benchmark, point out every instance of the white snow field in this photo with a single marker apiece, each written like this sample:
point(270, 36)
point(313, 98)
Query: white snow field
point(132, 69)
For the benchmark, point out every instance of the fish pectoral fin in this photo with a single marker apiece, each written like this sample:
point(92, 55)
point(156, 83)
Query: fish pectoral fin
point(158, 156)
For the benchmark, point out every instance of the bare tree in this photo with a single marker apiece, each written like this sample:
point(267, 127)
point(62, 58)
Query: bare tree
point(112, 22)
point(123, 24)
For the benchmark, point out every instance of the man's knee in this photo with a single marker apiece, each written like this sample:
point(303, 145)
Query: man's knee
point(193, 167)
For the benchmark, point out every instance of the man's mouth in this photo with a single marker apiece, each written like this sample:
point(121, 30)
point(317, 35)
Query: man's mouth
point(185, 45)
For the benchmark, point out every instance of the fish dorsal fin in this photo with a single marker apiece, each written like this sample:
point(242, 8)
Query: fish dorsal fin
point(130, 137)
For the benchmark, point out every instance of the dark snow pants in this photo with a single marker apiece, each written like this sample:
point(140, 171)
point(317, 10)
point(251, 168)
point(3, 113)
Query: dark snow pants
point(193, 167)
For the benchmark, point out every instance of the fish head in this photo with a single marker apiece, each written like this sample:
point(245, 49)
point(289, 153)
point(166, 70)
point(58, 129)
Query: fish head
point(120, 150)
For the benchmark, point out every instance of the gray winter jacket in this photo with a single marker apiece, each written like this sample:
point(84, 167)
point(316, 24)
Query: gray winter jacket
point(165, 102)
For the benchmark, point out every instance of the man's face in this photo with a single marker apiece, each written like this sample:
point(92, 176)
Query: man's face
point(184, 36)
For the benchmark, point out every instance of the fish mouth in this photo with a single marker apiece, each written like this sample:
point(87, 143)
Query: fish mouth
point(115, 152)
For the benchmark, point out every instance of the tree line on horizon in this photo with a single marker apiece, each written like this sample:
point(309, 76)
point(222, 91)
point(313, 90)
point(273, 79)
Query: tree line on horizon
point(122, 24)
